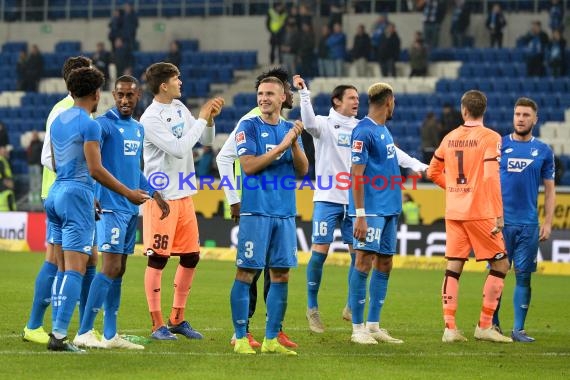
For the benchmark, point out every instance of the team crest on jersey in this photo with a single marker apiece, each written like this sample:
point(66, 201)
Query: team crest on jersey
point(269, 147)
point(357, 146)
point(177, 130)
point(517, 165)
point(533, 152)
point(131, 147)
point(179, 113)
point(240, 138)
point(391, 150)
point(343, 139)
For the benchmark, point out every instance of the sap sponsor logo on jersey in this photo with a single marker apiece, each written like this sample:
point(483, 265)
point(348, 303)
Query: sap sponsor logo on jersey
point(343, 140)
point(177, 130)
point(269, 147)
point(391, 150)
point(357, 146)
point(131, 147)
point(517, 165)
point(240, 138)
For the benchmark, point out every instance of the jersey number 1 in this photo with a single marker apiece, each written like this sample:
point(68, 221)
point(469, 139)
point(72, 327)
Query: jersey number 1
point(461, 179)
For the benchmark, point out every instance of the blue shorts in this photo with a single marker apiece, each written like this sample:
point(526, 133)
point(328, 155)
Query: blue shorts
point(522, 246)
point(326, 216)
point(380, 236)
point(265, 239)
point(50, 229)
point(117, 232)
point(71, 216)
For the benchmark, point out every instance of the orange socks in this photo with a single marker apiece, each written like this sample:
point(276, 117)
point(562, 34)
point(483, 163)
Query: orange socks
point(152, 280)
point(182, 284)
point(491, 294)
point(449, 292)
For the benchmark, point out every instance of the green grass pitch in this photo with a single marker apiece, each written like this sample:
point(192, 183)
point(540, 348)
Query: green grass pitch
point(412, 312)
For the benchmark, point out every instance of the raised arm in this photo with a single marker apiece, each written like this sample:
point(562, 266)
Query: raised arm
point(307, 113)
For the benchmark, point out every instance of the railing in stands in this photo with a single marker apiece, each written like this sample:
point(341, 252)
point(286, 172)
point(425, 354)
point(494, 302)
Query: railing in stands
point(49, 10)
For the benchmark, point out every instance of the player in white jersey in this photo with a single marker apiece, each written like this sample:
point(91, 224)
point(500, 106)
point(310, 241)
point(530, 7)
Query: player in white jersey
point(170, 133)
point(331, 135)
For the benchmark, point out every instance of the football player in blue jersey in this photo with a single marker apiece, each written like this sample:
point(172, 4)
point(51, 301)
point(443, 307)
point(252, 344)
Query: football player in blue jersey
point(270, 155)
point(526, 163)
point(375, 208)
point(76, 158)
point(121, 151)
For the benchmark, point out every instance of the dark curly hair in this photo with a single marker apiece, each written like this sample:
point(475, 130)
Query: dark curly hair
point(277, 72)
point(73, 63)
point(84, 81)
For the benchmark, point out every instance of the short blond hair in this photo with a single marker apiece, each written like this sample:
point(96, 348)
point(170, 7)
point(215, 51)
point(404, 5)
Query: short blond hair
point(378, 93)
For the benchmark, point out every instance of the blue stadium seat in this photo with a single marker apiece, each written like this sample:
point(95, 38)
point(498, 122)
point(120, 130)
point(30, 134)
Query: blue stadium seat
point(148, 8)
point(68, 47)
point(466, 71)
point(559, 85)
point(501, 55)
point(78, 9)
point(14, 47)
point(188, 45)
point(442, 85)
point(56, 9)
point(500, 84)
point(172, 8)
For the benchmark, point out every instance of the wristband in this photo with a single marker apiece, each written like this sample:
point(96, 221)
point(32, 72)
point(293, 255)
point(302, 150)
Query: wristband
point(360, 212)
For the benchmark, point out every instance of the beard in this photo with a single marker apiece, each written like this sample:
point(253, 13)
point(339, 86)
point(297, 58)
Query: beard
point(524, 132)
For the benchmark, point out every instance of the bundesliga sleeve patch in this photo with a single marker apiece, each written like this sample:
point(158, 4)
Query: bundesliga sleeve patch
point(357, 146)
point(240, 138)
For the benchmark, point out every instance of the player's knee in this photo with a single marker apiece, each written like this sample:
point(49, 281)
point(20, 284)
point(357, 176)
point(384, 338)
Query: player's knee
point(157, 262)
point(189, 261)
point(320, 248)
point(500, 263)
point(522, 279)
point(279, 275)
